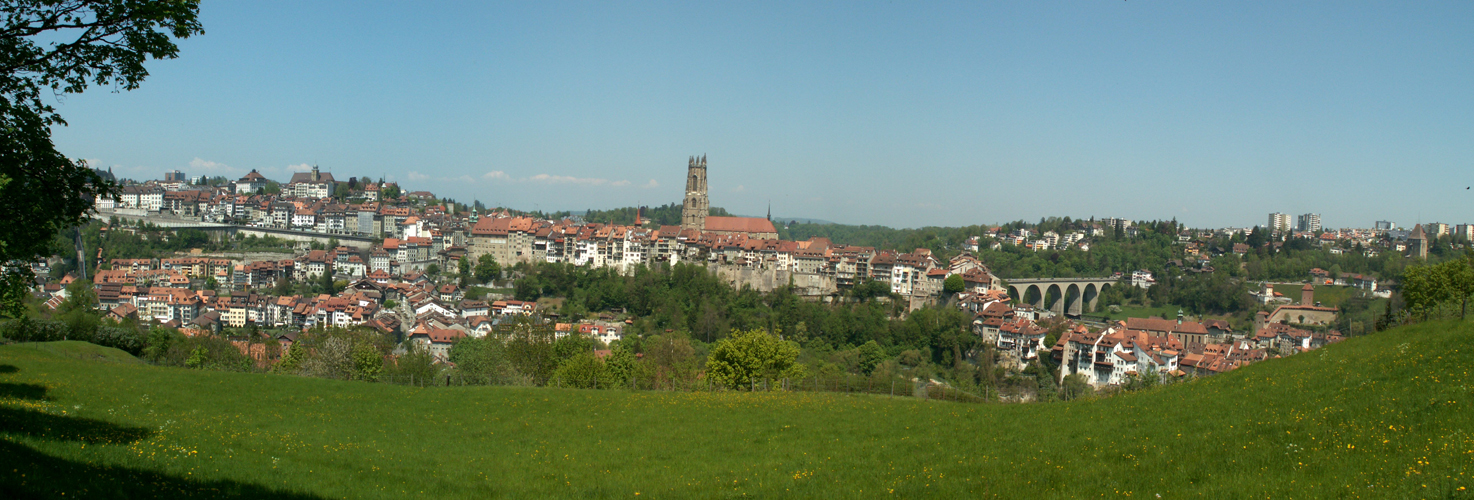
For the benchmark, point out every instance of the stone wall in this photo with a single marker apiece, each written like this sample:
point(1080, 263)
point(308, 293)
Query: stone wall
point(766, 280)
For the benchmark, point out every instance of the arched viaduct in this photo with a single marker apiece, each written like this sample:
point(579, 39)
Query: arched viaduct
point(226, 231)
point(1064, 296)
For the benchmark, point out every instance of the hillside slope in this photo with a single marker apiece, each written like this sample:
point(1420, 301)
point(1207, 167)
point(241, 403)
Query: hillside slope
point(1387, 415)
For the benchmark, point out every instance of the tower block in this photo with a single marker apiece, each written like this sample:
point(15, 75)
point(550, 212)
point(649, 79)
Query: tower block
point(697, 206)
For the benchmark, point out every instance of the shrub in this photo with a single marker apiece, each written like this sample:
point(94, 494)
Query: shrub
point(583, 371)
point(30, 330)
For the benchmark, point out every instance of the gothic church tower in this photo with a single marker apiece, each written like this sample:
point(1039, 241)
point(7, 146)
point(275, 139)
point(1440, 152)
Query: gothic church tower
point(693, 212)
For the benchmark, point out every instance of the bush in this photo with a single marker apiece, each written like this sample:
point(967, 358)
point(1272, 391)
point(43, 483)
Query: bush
point(127, 339)
point(747, 357)
point(416, 366)
point(206, 352)
point(30, 330)
point(481, 360)
point(584, 371)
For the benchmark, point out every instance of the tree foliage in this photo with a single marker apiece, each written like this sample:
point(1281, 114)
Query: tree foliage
point(1425, 288)
point(747, 357)
point(487, 269)
point(61, 47)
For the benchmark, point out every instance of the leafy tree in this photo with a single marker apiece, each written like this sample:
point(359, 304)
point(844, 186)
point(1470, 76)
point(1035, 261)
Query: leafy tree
point(571, 345)
point(1075, 387)
point(325, 283)
point(621, 365)
point(953, 285)
point(530, 349)
point(79, 297)
point(159, 341)
point(481, 359)
point(745, 357)
point(60, 47)
point(432, 270)
point(671, 355)
point(1461, 281)
point(871, 354)
point(415, 366)
point(464, 266)
point(1425, 287)
point(1257, 238)
point(584, 371)
point(487, 269)
point(284, 286)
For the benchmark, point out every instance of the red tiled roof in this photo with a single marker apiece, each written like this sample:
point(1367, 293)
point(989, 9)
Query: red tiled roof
point(740, 225)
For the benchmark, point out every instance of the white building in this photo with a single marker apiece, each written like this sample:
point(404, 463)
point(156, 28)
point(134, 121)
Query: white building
point(1279, 222)
point(1142, 279)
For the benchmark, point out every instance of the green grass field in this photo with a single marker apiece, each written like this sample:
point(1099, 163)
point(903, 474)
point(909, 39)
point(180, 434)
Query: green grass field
point(1329, 295)
point(1166, 311)
point(1382, 416)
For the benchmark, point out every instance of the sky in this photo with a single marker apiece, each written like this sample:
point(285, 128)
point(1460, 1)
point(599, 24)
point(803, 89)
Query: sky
point(905, 114)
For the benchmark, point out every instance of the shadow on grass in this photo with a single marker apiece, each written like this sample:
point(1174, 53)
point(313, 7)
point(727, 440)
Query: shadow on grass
point(8, 369)
point(39, 425)
point(27, 473)
point(22, 391)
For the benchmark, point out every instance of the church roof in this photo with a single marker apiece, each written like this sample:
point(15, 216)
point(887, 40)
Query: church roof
point(740, 225)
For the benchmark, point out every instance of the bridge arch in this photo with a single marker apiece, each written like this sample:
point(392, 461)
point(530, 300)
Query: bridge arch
point(1072, 298)
point(1054, 299)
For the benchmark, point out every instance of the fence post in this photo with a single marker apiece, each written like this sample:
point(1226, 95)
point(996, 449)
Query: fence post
point(893, 388)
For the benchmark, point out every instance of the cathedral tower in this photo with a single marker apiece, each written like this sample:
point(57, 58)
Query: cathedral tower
point(694, 211)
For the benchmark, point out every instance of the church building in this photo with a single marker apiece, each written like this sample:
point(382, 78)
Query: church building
point(696, 211)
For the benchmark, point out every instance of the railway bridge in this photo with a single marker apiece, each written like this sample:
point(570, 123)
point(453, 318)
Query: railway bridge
point(1064, 296)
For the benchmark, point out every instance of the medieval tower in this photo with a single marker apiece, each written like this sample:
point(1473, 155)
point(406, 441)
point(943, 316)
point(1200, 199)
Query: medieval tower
point(697, 206)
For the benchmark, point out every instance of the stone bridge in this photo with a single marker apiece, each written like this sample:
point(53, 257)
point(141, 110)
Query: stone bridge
point(1064, 296)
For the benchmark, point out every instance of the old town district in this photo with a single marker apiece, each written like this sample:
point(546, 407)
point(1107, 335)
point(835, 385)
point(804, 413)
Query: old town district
point(388, 239)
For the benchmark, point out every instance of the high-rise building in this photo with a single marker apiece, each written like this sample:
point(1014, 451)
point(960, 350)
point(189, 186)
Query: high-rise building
point(1308, 222)
point(697, 205)
point(1437, 229)
point(1279, 222)
point(1386, 225)
point(175, 176)
point(1464, 232)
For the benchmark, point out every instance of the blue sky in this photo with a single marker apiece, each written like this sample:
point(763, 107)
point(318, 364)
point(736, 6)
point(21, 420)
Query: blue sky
point(898, 113)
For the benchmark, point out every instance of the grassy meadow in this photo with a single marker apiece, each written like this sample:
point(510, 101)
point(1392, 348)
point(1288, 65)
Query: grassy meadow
point(1329, 295)
point(1140, 311)
point(1382, 416)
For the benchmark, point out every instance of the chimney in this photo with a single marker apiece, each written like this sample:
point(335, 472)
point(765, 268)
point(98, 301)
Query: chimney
point(1307, 295)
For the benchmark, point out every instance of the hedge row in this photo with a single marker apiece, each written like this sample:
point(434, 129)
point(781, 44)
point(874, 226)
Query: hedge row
point(29, 330)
